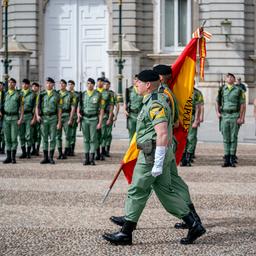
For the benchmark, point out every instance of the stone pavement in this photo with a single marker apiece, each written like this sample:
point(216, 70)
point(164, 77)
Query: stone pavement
point(57, 209)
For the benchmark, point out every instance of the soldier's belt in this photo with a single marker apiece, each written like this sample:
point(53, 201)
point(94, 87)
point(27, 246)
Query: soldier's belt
point(50, 114)
point(148, 148)
point(230, 111)
point(88, 116)
point(11, 113)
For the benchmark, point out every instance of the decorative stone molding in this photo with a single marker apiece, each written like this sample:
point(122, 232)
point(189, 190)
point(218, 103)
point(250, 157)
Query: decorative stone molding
point(45, 2)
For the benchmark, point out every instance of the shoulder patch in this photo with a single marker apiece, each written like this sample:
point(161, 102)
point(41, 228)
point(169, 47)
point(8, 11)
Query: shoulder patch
point(156, 111)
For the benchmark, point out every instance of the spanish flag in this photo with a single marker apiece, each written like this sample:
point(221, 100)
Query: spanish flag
point(182, 85)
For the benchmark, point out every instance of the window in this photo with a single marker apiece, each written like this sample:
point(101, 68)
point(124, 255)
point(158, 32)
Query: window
point(174, 24)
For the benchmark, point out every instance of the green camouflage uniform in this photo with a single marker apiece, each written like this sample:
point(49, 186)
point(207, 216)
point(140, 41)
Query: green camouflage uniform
point(230, 101)
point(36, 134)
point(73, 128)
point(134, 105)
point(49, 106)
point(67, 103)
point(25, 130)
point(90, 106)
point(12, 103)
point(192, 133)
point(154, 111)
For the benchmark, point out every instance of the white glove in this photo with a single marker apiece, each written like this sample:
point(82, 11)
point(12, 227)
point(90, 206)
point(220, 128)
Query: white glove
point(159, 161)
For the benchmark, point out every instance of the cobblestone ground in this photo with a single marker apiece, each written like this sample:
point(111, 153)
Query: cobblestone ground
point(57, 210)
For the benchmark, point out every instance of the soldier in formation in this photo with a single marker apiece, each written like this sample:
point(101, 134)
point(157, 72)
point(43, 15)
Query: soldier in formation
point(67, 115)
point(197, 118)
point(132, 107)
point(230, 109)
point(48, 114)
point(13, 114)
point(90, 114)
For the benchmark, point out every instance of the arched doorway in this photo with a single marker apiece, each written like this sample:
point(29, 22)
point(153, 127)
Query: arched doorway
point(76, 40)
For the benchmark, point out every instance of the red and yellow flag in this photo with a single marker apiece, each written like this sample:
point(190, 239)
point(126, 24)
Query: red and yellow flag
point(182, 84)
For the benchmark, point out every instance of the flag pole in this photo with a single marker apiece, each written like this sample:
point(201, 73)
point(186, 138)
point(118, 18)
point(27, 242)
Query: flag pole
point(112, 183)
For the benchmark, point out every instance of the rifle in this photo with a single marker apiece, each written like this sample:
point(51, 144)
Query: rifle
point(220, 99)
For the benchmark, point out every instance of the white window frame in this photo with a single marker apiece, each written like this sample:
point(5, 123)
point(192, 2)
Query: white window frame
point(159, 20)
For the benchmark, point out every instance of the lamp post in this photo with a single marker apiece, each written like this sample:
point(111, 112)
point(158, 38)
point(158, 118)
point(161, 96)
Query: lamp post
point(6, 60)
point(120, 60)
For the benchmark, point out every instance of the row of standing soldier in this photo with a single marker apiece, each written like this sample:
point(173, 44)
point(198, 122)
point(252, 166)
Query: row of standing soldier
point(44, 115)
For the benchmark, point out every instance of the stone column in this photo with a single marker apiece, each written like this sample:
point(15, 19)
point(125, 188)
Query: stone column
point(20, 57)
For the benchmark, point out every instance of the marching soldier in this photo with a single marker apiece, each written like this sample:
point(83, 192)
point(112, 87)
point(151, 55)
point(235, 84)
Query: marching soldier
point(90, 113)
point(107, 118)
point(197, 103)
point(68, 110)
point(13, 117)
point(2, 142)
point(25, 131)
point(48, 112)
point(154, 131)
point(73, 127)
point(132, 107)
point(36, 131)
point(230, 107)
point(116, 110)
point(178, 184)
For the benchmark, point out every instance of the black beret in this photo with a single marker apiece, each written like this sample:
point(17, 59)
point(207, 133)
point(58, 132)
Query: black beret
point(102, 79)
point(71, 82)
point(163, 69)
point(25, 81)
point(13, 80)
point(49, 79)
point(107, 81)
point(230, 74)
point(63, 81)
point(148, 76)
point(91, 80)
point(35, 84)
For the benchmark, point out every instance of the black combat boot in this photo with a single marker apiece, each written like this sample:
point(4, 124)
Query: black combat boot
point(8, 157)
point(64, 156)
point(60, 153)
point(226, 161)
point(107, 153)
point(118, 220)
point(3, 148)
point(24, 153)
point(102, 158)
point(33, 153)
point(14, 156)
point(28, 152)
point(124, 237)
point(86, 159)
point(188, 158)
point(183, 225)
point(37, 149)
point(72, 150)
point(236, 159)
point(46, 158)
point(232, 161)
point(51, 157)
point(196, 229)
point(183, 160)
point(92, 159)
point(97, 154)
